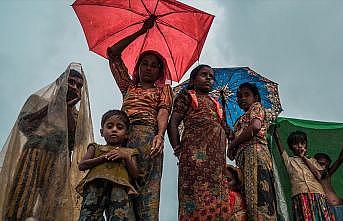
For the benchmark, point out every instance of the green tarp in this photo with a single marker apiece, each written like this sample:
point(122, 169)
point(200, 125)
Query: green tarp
point(325, 137)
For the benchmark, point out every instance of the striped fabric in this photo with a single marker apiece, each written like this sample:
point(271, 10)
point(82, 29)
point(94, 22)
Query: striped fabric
point(310, 207)
point(33, 173)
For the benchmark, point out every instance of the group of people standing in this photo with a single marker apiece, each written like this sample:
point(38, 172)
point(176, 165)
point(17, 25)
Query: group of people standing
point(52, 139)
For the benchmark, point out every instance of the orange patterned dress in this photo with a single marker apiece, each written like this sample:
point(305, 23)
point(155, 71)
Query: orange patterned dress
point(202, 194)
point(142, 106)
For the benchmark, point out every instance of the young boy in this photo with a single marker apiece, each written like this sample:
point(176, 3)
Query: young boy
point(335, 202)
point(309, 200)
point(107, 185)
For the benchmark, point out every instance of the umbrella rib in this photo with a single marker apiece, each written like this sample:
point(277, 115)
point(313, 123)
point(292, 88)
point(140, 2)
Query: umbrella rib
point(170, 26)
point(156, 6)
point(171, 55)
point(106, 37)
point(230, 80)
point(146, 9)
point(102, 5)
point(198, 12)
point(144, 41)
point(227, 103)
point(230, 115)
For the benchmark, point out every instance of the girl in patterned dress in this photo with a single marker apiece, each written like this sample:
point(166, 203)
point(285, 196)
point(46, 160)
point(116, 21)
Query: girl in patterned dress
point(249, 148)
point(201, 151)
point(147, 100)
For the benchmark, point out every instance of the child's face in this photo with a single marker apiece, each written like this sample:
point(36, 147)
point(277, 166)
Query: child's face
point(300, 148)
point(245, 98)
point(114, 131)
point(323, 162)
point(204, 80)
point(149, 70)
point(232, 181)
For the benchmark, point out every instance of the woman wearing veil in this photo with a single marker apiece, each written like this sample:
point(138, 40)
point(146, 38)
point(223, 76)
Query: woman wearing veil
point(39, 160)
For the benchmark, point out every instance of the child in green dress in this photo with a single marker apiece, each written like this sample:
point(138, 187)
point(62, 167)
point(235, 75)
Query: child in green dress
point(107, 186)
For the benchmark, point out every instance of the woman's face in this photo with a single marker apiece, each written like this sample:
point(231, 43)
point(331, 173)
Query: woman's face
point(204, 80)
point(75, 85)
point(149, 70)
point(245, 98)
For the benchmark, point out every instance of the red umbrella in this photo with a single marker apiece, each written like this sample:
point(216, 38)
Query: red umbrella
point(178, 35)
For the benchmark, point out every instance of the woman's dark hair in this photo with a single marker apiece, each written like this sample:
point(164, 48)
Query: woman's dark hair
point(295, 138)
point(160, 63)
point(121, 115)
point(318, 156)
point(194, 73)
point(253, 88)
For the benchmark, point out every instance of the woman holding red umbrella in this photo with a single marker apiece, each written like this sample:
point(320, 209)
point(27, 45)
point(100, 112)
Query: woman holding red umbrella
point(147, 101)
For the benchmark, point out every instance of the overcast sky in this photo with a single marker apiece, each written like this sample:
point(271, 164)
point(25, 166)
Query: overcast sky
point(296, 43)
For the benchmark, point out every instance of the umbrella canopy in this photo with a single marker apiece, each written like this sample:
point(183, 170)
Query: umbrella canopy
point(178, 35)
point(227, 81)
point(323, 137)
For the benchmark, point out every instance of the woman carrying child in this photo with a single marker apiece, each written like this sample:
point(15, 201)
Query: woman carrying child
point(201, 151)
point(249, 148)
point(147, 100)
point(107, 185)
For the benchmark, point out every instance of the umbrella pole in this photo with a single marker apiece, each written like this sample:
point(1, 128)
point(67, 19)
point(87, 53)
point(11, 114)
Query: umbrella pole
point(223, 103)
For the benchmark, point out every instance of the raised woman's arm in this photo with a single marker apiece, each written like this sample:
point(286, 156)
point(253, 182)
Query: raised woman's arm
point(117, 66)
point(118, 48)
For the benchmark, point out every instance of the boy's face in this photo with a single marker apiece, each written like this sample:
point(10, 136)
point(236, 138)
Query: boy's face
point(300, 148)
point(232, 181)
point(323, 162)
point(114, 131)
